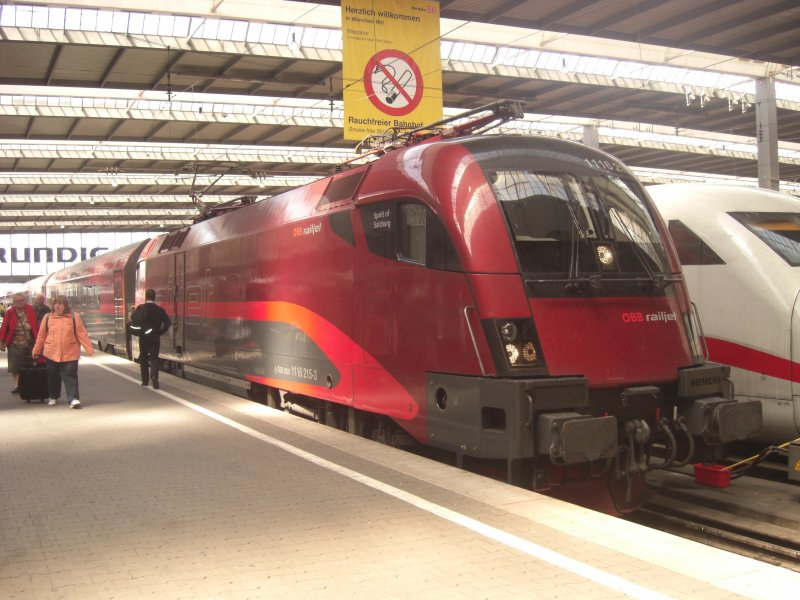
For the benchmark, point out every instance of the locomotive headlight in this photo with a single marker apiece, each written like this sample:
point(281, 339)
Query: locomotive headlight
point(605, 255)
point(514, 342)
point(509, 332)
point(513, 353)
point(529, 352)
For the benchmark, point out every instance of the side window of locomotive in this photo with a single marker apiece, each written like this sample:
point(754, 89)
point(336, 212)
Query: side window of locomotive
point(380, 223)
point(412, 240)
point(422, 239)
point(409, 232)
point(691, 249)
point(441, 254)
point(341, 189)
point(342, 226)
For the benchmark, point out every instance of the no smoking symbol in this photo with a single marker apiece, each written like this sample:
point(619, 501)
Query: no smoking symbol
point(393, 82)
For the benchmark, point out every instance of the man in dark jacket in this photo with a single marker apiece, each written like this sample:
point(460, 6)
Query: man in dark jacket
point(39, 307)
point(149, 321)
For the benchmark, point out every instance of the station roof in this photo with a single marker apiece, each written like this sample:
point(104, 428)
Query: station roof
point(110, 118)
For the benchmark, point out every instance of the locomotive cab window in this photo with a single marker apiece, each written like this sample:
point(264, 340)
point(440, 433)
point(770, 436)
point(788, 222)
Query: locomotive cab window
point(565, 225)
point(408, 232)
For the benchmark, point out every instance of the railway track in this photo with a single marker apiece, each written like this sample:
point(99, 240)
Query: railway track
point(753, 517)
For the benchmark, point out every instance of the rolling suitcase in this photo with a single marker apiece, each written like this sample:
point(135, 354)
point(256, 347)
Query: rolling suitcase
point(33, 382)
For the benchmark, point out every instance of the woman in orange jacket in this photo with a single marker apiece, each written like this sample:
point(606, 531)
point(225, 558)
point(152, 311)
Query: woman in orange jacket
point(60, 338)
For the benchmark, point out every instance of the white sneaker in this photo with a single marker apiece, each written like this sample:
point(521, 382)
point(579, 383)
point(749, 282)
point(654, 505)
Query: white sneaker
point(75, 403)
point(52, 402)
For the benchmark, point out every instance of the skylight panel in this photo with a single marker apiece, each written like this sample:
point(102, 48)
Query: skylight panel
point(488, 54)
point(787, 91)
point(305, 36)
point(55, 17)
point(239, 33)
point(24, 16)
point(72, 19)
point(224, 30)
point(467, 51)
point(8, 18)
point(135, 23)
point(267, 35)
point(281, 35)
point(501, 55)
point(320, 38)
point(119, 22)
point(104, 21)
point(592, 64)
point(150, 26)
point(253, 34)
point(548, 61)
point(334, 39)
point(165, 26)
point(209, 29)
point(180, 26)
point(88, 19)
point(39, 17)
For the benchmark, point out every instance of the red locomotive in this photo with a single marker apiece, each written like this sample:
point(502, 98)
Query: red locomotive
point(510, 299)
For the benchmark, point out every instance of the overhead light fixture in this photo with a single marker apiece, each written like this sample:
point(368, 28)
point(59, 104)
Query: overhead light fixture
point(294, 45)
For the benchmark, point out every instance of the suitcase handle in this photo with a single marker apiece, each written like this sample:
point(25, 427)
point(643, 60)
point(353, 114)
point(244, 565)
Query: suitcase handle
point(39, 362)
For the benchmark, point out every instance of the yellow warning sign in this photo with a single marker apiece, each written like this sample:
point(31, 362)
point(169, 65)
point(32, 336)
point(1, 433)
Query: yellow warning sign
point(797, 466)
point(391, 65)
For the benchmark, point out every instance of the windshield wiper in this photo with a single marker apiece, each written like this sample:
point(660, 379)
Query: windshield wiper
point(656, 280)
point(593, 281)
point(574, 257)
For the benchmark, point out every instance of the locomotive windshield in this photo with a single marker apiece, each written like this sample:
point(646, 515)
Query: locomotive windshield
point(779, 231)
point(567, 225)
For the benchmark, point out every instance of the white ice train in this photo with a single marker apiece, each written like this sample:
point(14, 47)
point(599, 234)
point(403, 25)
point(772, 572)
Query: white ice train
point(740, 251)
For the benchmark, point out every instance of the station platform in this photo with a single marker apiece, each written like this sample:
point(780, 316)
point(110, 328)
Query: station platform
point(188, 492)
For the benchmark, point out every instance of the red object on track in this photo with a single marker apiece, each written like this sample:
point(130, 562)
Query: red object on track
point(714, 475)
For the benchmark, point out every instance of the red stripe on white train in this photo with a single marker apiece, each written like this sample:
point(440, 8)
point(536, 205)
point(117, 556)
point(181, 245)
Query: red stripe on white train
point(750, 359)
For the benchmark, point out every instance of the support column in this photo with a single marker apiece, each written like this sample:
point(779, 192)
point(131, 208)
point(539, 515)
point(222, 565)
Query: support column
point(590, 136)
point(767, 134)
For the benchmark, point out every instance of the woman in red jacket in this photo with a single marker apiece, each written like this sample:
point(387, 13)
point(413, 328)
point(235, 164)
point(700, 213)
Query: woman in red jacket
point(17, 333)
point(60, 339)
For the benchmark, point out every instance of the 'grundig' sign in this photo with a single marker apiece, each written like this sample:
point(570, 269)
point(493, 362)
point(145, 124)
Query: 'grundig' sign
point(47, 255)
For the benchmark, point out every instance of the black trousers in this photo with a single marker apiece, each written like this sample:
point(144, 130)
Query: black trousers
point(148, 357)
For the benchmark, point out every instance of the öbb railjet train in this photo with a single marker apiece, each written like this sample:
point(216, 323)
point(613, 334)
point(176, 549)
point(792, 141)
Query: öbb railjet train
point(740, 250)
point(512, 300)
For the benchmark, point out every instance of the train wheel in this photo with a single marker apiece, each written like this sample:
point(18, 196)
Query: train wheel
point(265, 395)
point(273, 398)
point(334, 416)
